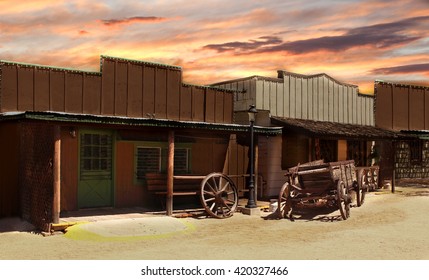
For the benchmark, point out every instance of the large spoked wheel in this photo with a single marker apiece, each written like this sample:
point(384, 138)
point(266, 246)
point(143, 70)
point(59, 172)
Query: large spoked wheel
point(343, 200)
point(219, 195)
point(283, 203)
point(360, 193)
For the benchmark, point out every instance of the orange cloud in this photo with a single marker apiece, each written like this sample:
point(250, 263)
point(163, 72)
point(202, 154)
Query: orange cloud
point(131, 20)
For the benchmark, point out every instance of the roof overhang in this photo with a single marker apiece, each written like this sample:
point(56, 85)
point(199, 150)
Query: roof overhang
point(337, 130)
point(136, 122)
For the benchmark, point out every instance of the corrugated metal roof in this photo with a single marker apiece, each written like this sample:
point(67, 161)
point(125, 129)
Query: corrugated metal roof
point(337, 130)
point(127, 121)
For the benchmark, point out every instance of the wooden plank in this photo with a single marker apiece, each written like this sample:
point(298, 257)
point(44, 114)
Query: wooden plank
point(219, 107)
point(279, 102)
point(170, 174)
point(400, 108)
point(310, 97)
point(360, 110)
point(174, 80)
point(304, 103)
point(316, 98)
point(56, 169)
point(325, 90)
point(331, 108)
point(198, 106)
point(41, 90)
point(210, 99)
point(25, 88)
point(57, 90)
point(148, 91)
point(186, 103)
point(69, 180)
point(286, 96)
point(336, 103)
point(73, 92)
point(259, 94)
point(108, 88)
point(384, 106)
point(161, 93)
point(228, 107)
point(9, 89)
point(92, 94)
point(135, 90)
point(298, 98)
point(416, 105)
point(121, 88)
point(426, 110)
point(266, 95)
point(354, 104)
point(292, 95)
point(272, 104)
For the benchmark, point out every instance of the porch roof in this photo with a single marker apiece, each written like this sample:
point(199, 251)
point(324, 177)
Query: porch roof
point(128, 121)
point(337, 130)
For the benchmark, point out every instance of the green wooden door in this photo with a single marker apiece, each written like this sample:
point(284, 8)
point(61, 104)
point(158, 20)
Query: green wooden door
point(96, 169)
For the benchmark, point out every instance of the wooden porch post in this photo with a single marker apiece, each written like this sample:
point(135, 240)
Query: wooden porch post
point(57, 175)
point(170, 174)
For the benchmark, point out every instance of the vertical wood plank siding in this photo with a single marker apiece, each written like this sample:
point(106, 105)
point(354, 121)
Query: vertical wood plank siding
point(122, 88)
point(401, 107)
point(317, 97)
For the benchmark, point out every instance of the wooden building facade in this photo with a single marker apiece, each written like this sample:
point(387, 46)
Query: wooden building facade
point(73, 139)
point(322, 118)
point(405, 108)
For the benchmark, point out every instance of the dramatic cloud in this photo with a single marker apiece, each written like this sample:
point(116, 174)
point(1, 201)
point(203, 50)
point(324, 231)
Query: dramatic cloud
point(252, 45)
point(378, 36)
point(130, 20)
point(403, 69)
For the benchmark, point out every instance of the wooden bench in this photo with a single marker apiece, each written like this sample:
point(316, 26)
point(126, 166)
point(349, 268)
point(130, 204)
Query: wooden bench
point(182, 184)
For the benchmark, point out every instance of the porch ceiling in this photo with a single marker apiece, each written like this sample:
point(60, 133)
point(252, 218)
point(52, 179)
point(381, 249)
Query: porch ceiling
point(336, 130)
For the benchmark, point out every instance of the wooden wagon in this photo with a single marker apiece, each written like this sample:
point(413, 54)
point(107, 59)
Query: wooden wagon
point(317, 180)
point(367, 177)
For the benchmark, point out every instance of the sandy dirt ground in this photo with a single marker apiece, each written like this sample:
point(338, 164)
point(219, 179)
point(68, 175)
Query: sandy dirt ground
point(387, 227)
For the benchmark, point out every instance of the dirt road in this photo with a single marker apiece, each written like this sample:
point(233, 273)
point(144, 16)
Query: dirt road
point(388, 226)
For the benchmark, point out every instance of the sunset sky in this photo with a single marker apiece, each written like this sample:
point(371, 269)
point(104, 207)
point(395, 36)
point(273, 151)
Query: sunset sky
point(353, 41)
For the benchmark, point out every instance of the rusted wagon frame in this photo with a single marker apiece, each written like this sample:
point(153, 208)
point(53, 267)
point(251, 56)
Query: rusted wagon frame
point(317, 180)
point(218, 194)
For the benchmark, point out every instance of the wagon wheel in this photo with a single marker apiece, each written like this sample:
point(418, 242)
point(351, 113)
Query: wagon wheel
point(343, 200)
point(284, 208)
point(361, 190)
point(219, 195)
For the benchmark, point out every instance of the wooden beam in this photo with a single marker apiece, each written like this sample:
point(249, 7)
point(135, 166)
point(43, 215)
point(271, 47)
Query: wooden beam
point(56, 207)
point(170, 174)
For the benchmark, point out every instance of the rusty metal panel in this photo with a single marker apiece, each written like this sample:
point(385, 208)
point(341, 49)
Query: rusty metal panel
point(279, 102)
point(161, 93)
point(272, 87)
point(148, 91)
point(198, 105)
point(400, 108)
point(228, 107)
point(25, 89)
point(186, 103)
point(417, 107)
point(331, 108)
point(219, 106)
point(135, 90)
point(56, 89)
point(174, 81)
point(210, 106)
point(336, 102)
point(73, 93)
point(298, 98)
point(121, 88)
point(108, 88)
point(92, 94)
point(41, 90)
point(9, 89)
point(286, 96)
point(304, 99)
point(383, 105)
